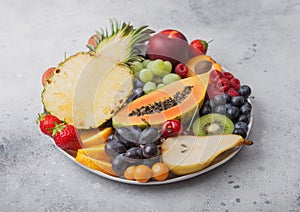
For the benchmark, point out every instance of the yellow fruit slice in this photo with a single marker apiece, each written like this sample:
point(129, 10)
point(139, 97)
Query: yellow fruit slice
point(188, 154)
point(94, 137)
point(97, 153)
point(98, 165)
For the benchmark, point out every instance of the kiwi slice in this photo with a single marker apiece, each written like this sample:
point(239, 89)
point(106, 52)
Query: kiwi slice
point(213, 124)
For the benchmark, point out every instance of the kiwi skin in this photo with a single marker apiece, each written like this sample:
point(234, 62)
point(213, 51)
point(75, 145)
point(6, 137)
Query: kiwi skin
point(213, 124)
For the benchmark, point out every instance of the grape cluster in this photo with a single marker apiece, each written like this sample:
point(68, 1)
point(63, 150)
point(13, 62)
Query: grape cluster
point(130, 146)
point(150, 75)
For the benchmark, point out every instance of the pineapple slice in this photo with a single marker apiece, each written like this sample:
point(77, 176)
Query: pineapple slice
point(87, 89)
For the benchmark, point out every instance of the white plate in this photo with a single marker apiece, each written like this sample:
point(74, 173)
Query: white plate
point(171, 180)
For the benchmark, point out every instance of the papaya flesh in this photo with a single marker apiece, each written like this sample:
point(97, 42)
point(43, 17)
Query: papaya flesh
point(201, 64)
point(174, 101)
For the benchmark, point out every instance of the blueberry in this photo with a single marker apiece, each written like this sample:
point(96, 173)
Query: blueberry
point(150, 150)
point(240, 132)
point(245, 109)
point(241, 125)
point(219, 99)
point(227, 98)
point(137, 93)
point(248, 104)
point(212, 104)
point(232, 112)
point(222, 99)
point(205, 110)
point(245, 90)
point(228, 105)
point(206, 103)
point(221, 109)
point(244, 118)
point(138, 83)
point(237, 101)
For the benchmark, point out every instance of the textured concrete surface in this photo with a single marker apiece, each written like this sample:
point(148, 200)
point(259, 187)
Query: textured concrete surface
point(257, 40)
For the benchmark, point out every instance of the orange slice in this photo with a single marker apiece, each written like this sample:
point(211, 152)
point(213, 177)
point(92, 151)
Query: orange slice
point(97, 152)
point(98, 165)
point(94, 137)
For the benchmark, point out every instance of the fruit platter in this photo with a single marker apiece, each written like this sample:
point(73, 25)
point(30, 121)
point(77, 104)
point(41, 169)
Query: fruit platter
point(145, 107)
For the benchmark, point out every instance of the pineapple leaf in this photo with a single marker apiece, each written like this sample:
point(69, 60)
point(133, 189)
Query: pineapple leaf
point(123, 34)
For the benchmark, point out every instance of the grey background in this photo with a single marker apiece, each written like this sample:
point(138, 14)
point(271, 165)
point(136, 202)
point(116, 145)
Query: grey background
point(257, 40)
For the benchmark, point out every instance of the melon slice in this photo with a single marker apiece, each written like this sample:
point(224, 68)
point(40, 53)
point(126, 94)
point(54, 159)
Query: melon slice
point(188, 154)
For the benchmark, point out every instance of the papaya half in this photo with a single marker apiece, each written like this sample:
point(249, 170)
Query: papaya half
point(177, 100)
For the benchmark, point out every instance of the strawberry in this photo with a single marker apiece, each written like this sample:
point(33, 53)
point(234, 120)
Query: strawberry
point(66, 137)
point(47, 74)
point(47, 123)
point(198, 47)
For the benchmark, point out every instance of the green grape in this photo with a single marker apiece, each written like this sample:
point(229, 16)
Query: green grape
point(158, 65)
point(136, 66)
point(168, 66)
point(149, 65)
point(159, 73)
point(148, 87)
point(160, 85)
point(145, 63)
point(156, 79)
point(137, 75)
point(145, 75)
point(169, 78)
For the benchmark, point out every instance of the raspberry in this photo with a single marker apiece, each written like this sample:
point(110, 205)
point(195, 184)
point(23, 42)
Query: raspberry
point(232, 92)
point(223, 84)
point(235, 83)
point(181, 70)
point(215, 75)
point(212, 91)
point(228, 75)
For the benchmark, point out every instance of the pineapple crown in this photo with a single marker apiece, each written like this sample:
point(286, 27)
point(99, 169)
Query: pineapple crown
point(136, 37)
